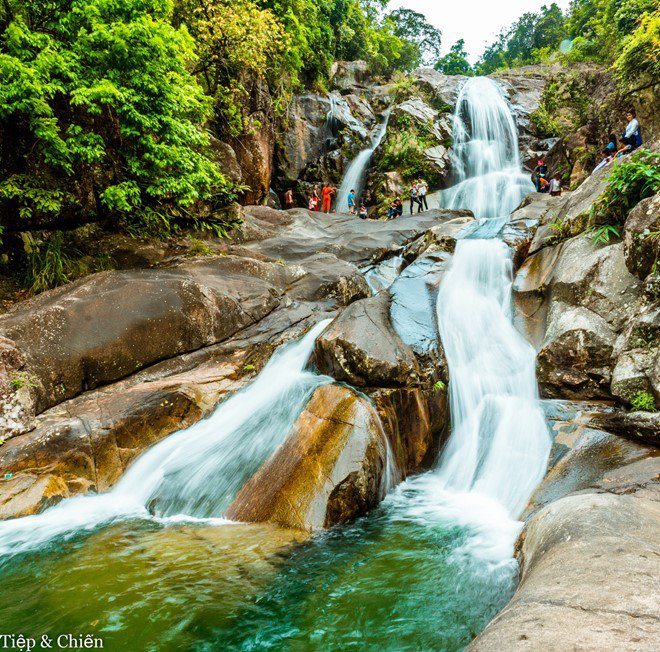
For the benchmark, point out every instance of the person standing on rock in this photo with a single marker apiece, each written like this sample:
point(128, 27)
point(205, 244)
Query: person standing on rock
point(327, 193)
point(288, 198)
point(316, 196)
point(422, 189)
point(351, 202)
point(414, 198)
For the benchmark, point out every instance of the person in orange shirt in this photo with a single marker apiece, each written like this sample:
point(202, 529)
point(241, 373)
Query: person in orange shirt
point(327, 193)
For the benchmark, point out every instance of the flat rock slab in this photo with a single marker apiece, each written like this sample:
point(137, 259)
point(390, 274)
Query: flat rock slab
point(298, 233)
point(589, 579)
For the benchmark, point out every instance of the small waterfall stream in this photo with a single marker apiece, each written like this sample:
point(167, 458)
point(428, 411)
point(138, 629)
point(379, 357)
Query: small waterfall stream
point(356, 175)
point(172, 478)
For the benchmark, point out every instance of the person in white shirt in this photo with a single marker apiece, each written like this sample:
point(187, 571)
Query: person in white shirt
point(555, 186)
point(422, 189)
point(630, 135)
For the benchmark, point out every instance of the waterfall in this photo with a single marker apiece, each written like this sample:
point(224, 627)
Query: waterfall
point(499, 445)
point(485, 158)
point(331, 125)
point(194, 473)
point(356, 175)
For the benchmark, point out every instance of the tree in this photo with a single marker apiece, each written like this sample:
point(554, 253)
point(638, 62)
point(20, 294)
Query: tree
point(99, 114)
point(413, 28)
point(455, 61)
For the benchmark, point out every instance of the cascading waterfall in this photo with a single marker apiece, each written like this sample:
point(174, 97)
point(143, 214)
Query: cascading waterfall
point(498, 450)
point(194, 473)
point(485, 158)
point(355, 176)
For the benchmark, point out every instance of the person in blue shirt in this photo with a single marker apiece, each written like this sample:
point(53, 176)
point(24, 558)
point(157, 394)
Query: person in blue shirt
point(351, 203)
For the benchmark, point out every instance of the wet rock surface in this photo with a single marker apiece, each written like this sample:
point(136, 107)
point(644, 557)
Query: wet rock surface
point(596, 513)
point(331, 468)
point(112, 364)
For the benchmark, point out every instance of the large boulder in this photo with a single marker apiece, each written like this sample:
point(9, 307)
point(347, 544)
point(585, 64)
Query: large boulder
point(596, 513)
point(349, 74)
point(578, 299)
point(17, 396)
point(575, 359)
point(332, 467)
point(112, 324)
point(588, 579)
point(361, 348)
point(255, 146)
point(596, 279)
point(87, 443)
point(328, 278)
point(443, 89)
point(641, 234)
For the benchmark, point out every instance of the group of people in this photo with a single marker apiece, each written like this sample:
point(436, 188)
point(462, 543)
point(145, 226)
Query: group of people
point(321, 200)
point(629, 141)
point(362, 213)
point(418, 192)
point(541, 181)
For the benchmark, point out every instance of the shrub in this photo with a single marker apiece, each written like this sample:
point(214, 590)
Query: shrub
point(630, 182)
point(643, 402)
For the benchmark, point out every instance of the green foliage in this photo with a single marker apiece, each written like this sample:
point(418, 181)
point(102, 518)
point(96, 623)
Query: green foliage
point(639, 61)
point(643, 402)
point(631, 181)
point(49, 263)
point(561, 230)
point(104, 114)
point(53, 259)
point(199, 248)
point(20, 379)
point(455, 61)
point(525, 41)
point(605, 233)
point(404, 151)
point(591, 30)
point(439, 386)
point(413, 29)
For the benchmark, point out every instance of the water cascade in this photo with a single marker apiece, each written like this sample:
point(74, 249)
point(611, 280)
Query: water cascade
point(425, 570)
point(500, 442)
point(356, 175)
point(193, 473)
point(485, 157)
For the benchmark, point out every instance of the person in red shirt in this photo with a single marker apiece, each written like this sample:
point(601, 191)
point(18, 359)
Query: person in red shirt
point(327, 193)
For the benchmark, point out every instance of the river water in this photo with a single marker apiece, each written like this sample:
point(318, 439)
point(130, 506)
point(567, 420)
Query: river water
point(152, 565)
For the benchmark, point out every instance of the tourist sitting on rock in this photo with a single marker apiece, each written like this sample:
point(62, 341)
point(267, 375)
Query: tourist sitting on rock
point(540, 173)
point(364, 213)
point(555, 185)
point(395, 210)
point(351, 202)
point(543, 184)
point(632, 136)
point(608, 152)
point(422, 189)
point(624, 147)
point(414, 198)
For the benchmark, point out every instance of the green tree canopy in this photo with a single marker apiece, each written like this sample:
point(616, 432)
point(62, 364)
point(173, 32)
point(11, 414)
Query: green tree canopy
point(455, 61)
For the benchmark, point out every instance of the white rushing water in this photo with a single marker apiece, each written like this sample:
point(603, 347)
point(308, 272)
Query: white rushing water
point(194, 473)
point(355, 176)
point(485, 157)
point(499, 446)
